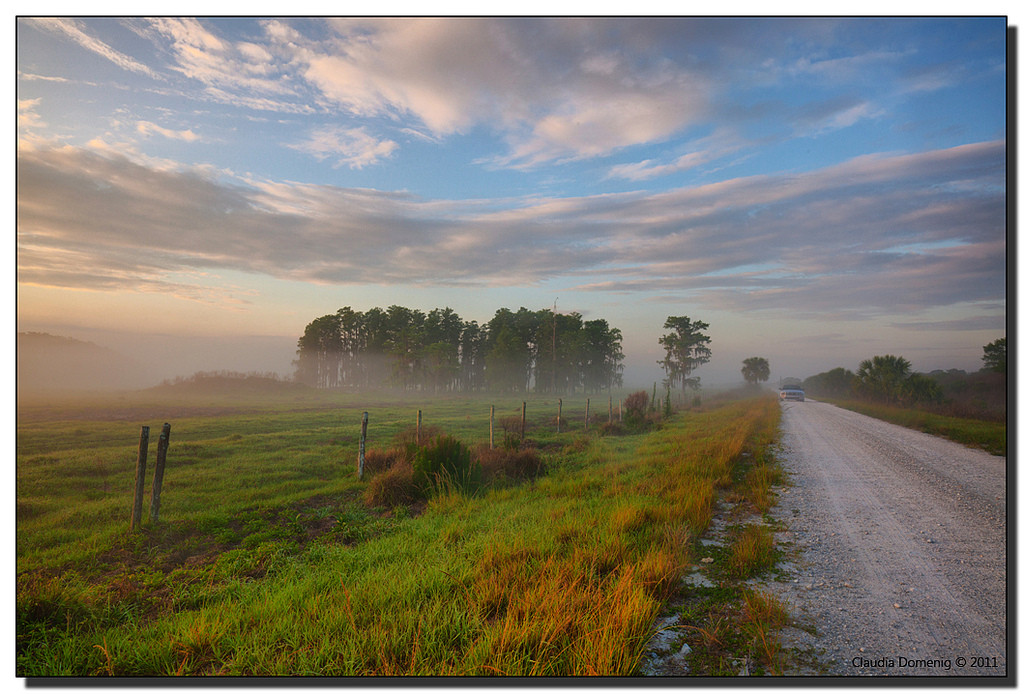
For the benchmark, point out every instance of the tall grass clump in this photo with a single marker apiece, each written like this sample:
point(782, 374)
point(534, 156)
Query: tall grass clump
point(752, 551)
point(764, 616)
point(444, 463)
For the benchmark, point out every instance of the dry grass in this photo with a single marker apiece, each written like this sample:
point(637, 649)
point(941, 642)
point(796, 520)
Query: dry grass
point(752, 551)
point(764, 617)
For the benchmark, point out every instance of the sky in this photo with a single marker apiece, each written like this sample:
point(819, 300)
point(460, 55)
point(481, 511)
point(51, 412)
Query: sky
point(818, 190)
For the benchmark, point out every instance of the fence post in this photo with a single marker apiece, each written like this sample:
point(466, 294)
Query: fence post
point(620, 410)
point(609, 409)
point(140, 479)
point(419, 423)
point(158, 473)
point(558, 421)
point(362, 444)
point(586, 416)
point(492, 427)
point(522, 424)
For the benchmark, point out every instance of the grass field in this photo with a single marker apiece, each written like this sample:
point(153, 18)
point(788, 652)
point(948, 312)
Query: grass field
point(268, 560)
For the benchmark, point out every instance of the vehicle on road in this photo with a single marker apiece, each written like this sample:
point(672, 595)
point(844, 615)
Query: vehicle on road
point(791, 393)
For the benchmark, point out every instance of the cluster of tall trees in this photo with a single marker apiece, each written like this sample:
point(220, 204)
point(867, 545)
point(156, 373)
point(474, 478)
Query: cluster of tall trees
point(540, 351)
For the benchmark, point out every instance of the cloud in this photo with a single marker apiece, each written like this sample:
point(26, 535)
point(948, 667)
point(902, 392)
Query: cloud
point(72, 30)
point(220, 64)
point(146, 128)
point(351, 147)
point(701, 152)
point(27, 116)
point(555, 90)
point(957, 324)
point(874, 235)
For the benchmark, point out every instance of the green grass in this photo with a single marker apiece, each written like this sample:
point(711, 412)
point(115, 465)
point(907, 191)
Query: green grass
point(977, 433)
point(266, 561)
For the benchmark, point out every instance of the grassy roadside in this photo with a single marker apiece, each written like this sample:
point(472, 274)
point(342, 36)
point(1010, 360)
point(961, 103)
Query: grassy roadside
point(725, 624)
point(977, 433)
point(289, 573)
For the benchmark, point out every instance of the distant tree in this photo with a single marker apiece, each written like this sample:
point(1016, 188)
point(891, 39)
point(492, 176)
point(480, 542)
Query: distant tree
point(755, 370)
point(880, 376)
point(995, 356)
point(917, 389)
point(686, 348)
point(837, 383)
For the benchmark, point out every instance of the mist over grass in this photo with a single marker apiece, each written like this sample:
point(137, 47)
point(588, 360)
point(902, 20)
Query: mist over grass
point(49, 364)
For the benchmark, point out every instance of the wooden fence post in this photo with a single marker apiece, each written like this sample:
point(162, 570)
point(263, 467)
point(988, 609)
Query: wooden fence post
point(586, 416)
point(492, 427)
point(609, 409)
point(419, 423)
point(558, 421)
point(522, 424)
point(362, 444)
point(158, 473)
point(140, 479)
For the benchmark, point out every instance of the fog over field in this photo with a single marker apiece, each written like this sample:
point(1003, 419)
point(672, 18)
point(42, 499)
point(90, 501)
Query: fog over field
point(52, 365)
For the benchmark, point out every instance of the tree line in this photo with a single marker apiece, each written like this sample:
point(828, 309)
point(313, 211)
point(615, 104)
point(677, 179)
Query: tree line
point(889, 379)
point(540, 351)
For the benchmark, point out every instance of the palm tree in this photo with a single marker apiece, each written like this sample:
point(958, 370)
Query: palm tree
point(881, 376)
point(755, 370)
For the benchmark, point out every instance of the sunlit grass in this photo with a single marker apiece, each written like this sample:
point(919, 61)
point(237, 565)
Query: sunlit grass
point(563, 575)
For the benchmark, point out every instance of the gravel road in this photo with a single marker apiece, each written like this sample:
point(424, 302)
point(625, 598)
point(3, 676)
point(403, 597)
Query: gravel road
point(896, 545)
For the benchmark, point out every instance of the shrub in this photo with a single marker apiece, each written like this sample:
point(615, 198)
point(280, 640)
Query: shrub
point(497, 465)
point(512, 432)
point(407, 437)
point(635, 415)
point(444, 462)
point(393, 487)
point(377, 461)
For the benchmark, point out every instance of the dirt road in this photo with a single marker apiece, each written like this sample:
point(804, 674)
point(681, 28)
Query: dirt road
point(897, 546)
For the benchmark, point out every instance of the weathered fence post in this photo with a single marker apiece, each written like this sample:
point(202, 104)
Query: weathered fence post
point(609, 409)
point(419, 423)
point(158, 473)
point(620, 410)
point(492, 427)
point(558, 421)
point(586, 416)
point(522, 424)
point(362, 444)
point(140, 479)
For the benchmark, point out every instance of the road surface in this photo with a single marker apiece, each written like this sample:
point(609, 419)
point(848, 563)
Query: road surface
point(897, 547)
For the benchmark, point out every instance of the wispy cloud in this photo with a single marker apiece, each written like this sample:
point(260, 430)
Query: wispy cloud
point(878, 233)
point(72, 30)
point(146, 128)
point(352, 147)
